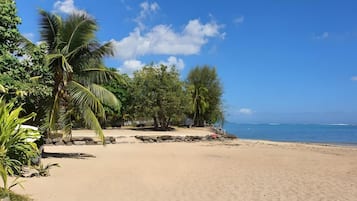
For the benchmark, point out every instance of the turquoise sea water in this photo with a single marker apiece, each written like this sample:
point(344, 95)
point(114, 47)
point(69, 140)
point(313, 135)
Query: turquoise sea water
point(314, 133)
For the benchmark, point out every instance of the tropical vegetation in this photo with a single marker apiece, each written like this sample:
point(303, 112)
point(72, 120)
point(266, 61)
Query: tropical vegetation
point(159, 94)
point(75, 61)
point(206, 91)
point(17, 146)
point(66, 82)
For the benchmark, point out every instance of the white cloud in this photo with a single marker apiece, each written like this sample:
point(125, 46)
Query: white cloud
point(163, 40)
point(239, 20)
point(147, 9)
point(322, 36)
point(173, 61)
point(130, 66)
point(354, 78)
point(67, 7)
point(246, 111)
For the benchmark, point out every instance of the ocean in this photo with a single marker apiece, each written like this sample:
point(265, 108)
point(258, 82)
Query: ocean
point(309, 133)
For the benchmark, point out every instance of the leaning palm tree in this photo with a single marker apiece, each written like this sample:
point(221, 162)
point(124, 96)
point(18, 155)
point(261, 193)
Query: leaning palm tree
point(75, 59)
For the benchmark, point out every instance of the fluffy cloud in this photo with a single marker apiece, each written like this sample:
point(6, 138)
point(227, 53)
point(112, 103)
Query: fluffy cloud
point(67, 7)
point(245, 111)
point(239, 20)
point(163, 40)
point(130, 66)
point(173, 61)
point(322, 36)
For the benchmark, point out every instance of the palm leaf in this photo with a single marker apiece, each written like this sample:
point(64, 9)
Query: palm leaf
point(89, 55)
point(50, 24)
point(78, 29)
point(105, 96)
point(92, 122)
point(83, 97)
point(99, 75)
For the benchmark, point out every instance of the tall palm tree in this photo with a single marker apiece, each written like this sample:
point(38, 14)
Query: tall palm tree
point(75, 59)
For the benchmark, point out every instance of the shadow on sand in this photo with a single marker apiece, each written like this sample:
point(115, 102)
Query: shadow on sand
point(152, 129)
point(67, 155)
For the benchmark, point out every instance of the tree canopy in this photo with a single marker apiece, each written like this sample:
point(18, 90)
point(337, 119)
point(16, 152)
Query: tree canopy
point(206, 93)
point(159, 94)
point(23, 75)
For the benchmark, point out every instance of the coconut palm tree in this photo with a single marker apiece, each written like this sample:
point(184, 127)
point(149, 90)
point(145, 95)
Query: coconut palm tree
point(75, 60)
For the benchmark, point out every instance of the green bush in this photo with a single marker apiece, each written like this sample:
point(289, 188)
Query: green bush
point(17, 144)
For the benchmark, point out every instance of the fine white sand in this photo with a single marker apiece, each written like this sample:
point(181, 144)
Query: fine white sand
point(207, 171)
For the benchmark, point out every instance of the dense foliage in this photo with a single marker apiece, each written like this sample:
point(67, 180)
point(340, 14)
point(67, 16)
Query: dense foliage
point(159, 94)
point(17, 144)
point(9, 35)
point(206, 91)
point(122, 89)
point(23, 75)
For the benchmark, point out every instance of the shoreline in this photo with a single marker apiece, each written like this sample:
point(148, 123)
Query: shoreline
point(130, 132)
point(352, 145)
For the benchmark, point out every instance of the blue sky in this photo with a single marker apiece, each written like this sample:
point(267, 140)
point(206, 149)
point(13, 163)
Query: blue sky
point(291, 61)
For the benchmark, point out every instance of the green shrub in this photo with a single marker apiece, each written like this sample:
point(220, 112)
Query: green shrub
point(17, 144)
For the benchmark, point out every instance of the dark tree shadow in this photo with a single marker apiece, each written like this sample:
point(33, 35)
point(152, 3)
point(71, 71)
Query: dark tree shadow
point(152, 129)
point(66, 155)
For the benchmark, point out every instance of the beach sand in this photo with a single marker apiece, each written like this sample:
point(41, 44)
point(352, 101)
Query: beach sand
point(206, 171)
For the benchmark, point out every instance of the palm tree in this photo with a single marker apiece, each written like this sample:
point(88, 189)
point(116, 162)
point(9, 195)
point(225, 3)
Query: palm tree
point(75, 60)
point(200, 104)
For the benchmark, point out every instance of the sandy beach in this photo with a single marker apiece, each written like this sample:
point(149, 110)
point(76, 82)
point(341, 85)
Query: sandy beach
point(207, 171)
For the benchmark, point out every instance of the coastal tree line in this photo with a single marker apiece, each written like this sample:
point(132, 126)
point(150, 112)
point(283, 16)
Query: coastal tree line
point(64, 80)
point(62, 83)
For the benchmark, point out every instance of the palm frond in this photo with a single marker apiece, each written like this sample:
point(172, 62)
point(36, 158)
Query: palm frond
point(105, 96)
point(82, 33)
point(78, 29)
point(99, 75)
point(92, 122)
point(83, 97)
point(100, 51)
point(89, 55)
point(65, 65)
point(50, 24)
